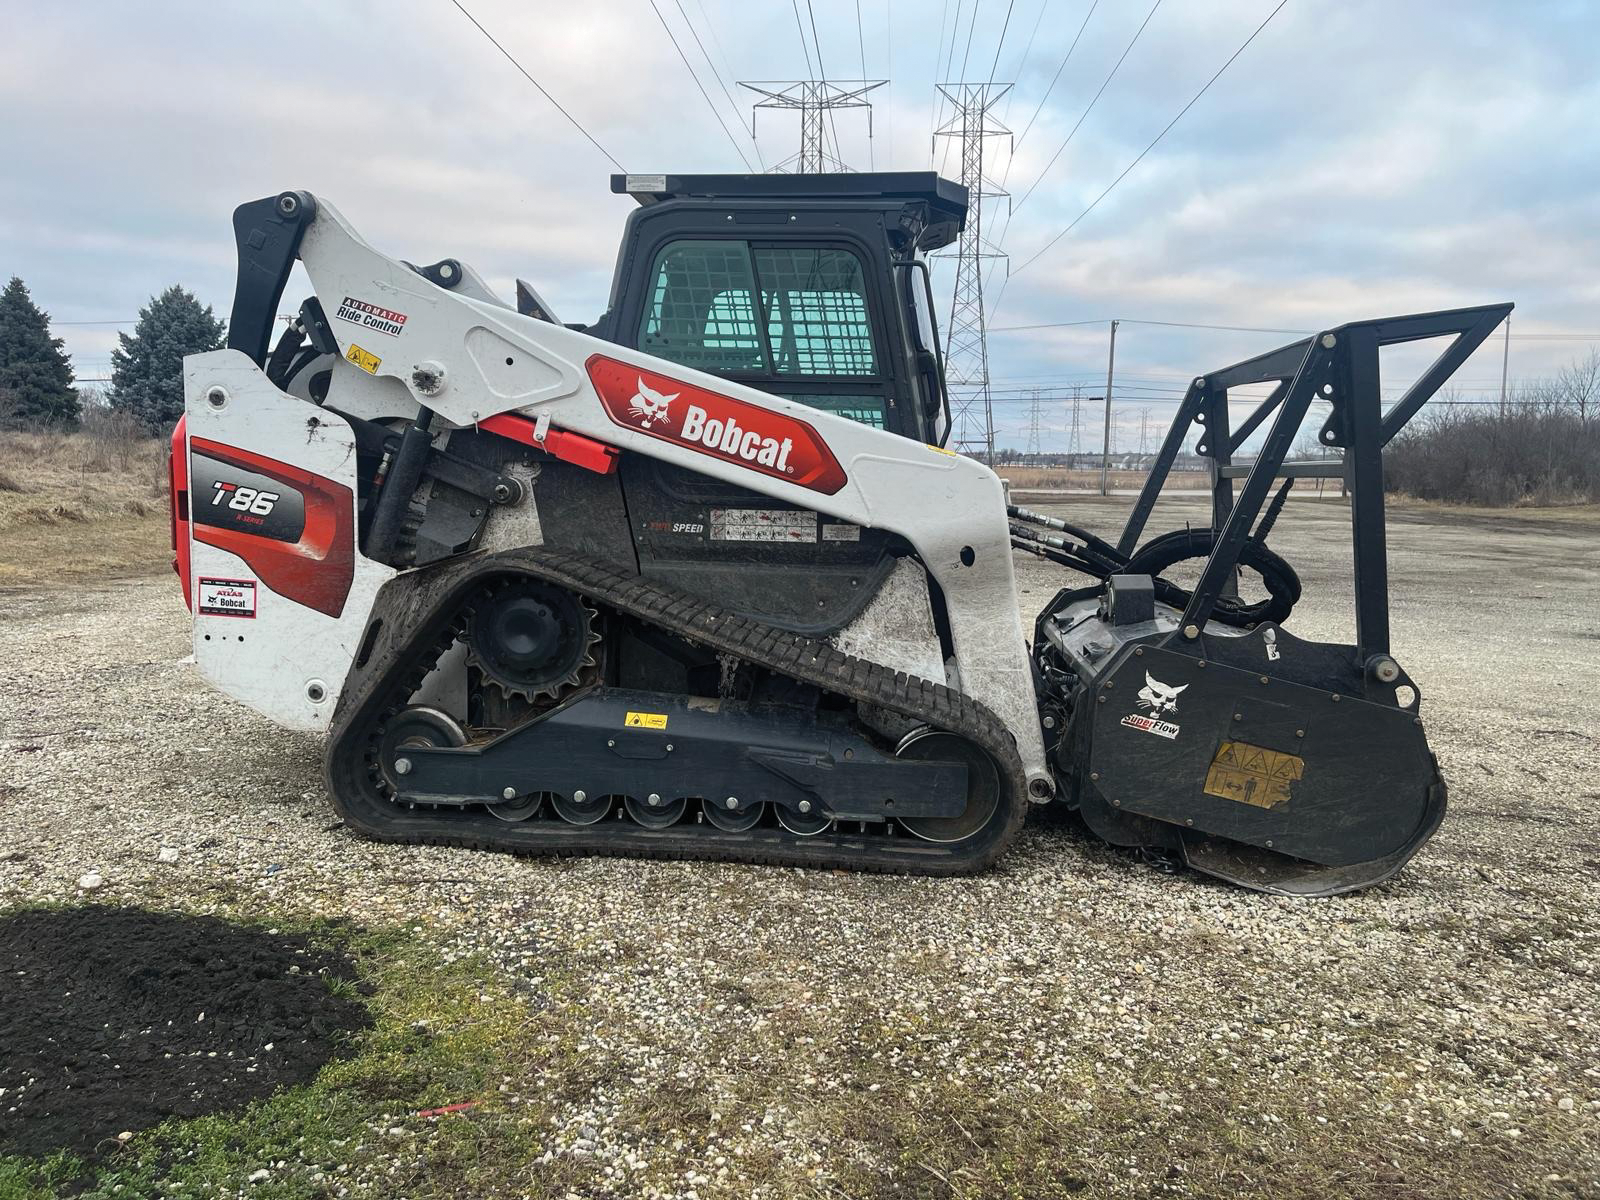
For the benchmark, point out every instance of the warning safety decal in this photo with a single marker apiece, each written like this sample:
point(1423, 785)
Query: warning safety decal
point(639, 720)
point(1253, 774)
point(763, 525)
point(365, 359)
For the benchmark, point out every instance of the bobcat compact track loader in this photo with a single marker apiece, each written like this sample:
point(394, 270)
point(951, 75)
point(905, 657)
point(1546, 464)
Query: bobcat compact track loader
point(700, 580)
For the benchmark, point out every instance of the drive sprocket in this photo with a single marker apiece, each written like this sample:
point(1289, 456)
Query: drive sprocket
point(532, 639)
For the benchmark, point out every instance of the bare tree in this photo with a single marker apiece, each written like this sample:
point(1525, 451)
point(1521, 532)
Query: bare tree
point(1579, 385)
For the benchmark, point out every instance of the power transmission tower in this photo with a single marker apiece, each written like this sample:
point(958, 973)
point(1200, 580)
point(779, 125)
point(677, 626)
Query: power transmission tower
point(966, 353)
point(1035, 419)
point(813, 99)
point(1144, 430)
point(1072, 436)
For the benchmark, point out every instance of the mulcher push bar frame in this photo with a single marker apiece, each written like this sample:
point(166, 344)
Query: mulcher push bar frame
point(1339, 366)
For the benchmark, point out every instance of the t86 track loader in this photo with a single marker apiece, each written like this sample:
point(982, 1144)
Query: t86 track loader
point(700, 579)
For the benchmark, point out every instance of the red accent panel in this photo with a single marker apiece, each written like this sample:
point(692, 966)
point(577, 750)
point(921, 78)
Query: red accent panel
point(178, 500)
point(316, 571)
point(758, 439)
point(569, 447)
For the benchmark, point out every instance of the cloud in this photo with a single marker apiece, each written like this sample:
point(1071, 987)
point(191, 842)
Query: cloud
point(1359, 159)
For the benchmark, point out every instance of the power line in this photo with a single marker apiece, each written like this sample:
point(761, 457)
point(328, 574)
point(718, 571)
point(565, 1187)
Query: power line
point(1053, 81)
point(1027, 49)
point(1128, 50)
point(804, 48)
point(512, 60)
point(861, 45)
point(822, 74)
point(711, 27)
point(949, 59)
point(717, 75)
point(688, 67)
point(1156, 139)
point(994, 68)
point(938, 49)
point(972, 24)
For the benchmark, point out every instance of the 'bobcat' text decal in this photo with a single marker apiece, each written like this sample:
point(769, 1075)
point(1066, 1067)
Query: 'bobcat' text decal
point(771, 443)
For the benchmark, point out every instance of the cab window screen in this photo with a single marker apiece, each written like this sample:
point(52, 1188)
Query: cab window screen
point(864, 409)
point(701, 311)
point(815, 305)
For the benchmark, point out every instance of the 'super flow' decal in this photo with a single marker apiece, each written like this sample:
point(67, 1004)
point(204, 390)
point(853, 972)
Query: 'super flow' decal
point(1159, 700)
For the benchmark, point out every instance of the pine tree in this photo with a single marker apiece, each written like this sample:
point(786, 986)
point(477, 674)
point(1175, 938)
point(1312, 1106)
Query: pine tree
point(147, 368)
point(35, 373)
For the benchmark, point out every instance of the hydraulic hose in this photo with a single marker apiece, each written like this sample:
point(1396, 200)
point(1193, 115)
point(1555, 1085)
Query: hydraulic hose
point(1100, 559)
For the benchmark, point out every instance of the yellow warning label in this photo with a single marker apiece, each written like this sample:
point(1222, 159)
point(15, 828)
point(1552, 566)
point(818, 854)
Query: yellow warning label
point(1253, 775)
point(646, 720)
point(940, 450)
point(365, 359)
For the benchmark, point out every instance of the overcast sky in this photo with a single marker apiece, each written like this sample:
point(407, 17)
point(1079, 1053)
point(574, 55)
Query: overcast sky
point(1360, 158)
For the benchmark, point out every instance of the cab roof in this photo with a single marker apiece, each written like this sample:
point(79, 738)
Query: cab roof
point(944, 199)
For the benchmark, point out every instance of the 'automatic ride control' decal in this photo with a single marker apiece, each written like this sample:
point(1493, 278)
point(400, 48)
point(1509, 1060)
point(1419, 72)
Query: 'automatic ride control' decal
point(771, 443)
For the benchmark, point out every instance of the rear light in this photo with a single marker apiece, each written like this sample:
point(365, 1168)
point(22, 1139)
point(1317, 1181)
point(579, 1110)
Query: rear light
point(178, 498)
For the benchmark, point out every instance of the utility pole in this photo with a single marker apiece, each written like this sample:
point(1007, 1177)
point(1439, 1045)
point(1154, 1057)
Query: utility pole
point(1505, 366)
point(813, 99)
point(966, 353)
point(1035, 417)
point(1105, 456)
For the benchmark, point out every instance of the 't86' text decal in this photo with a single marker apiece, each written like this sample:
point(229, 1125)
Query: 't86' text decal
point(244, 499)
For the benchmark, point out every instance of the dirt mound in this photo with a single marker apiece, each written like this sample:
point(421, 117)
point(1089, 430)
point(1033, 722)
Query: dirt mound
point(115, 1019)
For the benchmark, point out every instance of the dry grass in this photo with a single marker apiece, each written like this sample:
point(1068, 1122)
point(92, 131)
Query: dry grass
point(81, 505)
point(1024, 479)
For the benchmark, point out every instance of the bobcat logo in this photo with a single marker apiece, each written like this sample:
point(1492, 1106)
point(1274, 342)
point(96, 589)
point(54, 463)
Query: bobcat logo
point(1158, 697)
point(650, 406)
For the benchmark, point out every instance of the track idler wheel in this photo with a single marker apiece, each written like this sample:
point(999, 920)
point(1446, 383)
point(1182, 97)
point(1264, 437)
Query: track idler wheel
point(983, 784)
point(519, 808)
point(803, 824)
point(414, 727)
point(655, 811)
point(725, 814)
point(581, 809)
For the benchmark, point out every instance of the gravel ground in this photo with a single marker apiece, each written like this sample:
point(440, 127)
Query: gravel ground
point(1072, 1020)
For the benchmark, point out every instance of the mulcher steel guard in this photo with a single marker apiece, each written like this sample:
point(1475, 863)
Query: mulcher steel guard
point(1263, 781)
point(1341, 368)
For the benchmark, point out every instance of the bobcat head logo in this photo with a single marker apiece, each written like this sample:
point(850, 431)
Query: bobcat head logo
point(650, 406)
point(1158, 697)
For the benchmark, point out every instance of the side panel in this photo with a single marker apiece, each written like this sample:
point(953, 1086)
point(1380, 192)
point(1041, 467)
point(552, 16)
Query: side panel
point(279, 592)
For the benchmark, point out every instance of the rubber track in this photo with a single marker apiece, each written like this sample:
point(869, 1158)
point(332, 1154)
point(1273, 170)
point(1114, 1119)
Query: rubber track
point(423, 608)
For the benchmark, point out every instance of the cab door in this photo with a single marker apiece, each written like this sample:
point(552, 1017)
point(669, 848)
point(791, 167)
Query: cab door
point(803, 319)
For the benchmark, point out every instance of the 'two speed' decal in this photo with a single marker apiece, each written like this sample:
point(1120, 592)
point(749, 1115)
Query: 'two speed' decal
point(770, 443)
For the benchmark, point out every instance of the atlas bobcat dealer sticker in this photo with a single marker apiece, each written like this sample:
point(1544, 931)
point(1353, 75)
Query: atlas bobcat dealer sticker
point(227, 598)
